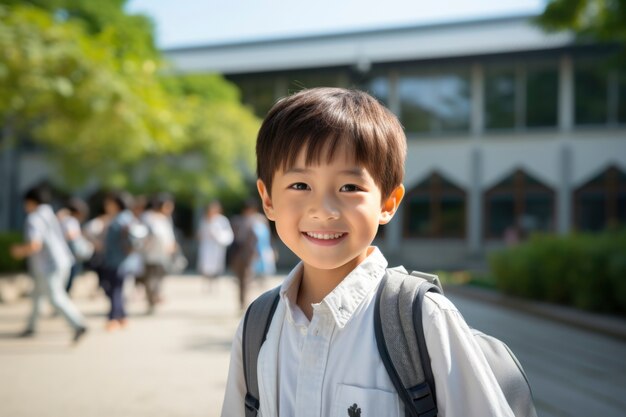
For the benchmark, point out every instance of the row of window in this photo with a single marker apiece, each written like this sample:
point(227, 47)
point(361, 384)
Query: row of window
point(436, 208)
point(516, 96)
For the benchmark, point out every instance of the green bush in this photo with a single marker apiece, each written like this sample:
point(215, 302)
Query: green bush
point(7, 263)
point(586, 271)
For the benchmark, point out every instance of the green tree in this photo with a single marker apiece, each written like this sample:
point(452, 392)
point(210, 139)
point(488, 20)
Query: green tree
point(83, 80)
point(69, 92)
point(216, 155)
point(591, 20)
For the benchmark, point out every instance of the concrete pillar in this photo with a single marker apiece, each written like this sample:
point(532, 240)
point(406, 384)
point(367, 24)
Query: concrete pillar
point(566, 94)
point(564, 193)
point(477, 112)
point(394, 93)
point(393, 231)
point(473, 212)
point(566, 125)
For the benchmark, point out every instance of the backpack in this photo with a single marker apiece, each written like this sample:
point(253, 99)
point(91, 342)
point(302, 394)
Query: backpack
point(401, 344)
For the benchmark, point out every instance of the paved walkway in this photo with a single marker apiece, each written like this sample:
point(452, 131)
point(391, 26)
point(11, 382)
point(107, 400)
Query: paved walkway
point(171, 364)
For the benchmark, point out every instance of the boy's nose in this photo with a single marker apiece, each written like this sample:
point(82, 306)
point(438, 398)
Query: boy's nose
point(324, 208)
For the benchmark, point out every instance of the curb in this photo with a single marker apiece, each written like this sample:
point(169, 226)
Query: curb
point(611, 326)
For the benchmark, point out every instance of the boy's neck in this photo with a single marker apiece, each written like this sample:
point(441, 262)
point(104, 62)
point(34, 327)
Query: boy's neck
point(317, 283)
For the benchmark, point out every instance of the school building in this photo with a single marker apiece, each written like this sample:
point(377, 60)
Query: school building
point(510, 129)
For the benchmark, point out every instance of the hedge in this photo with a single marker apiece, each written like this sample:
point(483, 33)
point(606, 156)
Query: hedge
point(7, 263)
point(586, 271)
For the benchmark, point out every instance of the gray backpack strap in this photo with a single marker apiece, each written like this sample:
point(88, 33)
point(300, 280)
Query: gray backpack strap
point(256, 323)
point(397, 325)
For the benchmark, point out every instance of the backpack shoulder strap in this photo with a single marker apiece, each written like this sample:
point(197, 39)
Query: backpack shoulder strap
point(256, 324)
point(400, 338)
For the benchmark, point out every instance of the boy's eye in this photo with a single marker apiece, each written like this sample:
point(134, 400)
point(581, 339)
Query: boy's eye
point(350, 188)
point(299, 186)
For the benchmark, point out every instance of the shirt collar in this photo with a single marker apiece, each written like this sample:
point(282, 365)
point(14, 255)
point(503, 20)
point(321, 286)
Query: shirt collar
point(346, 298)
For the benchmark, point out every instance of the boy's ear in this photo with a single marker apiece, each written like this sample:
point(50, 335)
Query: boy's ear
point(266, 200)
point(391, 204)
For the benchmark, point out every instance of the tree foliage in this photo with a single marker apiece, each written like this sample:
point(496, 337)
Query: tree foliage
point(591, 20)
point(84, 80)
point(217, 152)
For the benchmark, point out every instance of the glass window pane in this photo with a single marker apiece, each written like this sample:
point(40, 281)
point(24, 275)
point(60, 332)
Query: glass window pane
point(541, 97)
point(434, 103)
point(258, 93)
point(379, 88)
point(621, 209)
point(311, 79)
point(621, 105)
point(452, 216)
point(592, 211)
point(501, 214)
point(500, 99)
point(420, 217)
point(539, 213)
point(590, 88)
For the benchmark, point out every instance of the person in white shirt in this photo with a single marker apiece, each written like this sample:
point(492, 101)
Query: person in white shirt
point(214, 236)
point(159, 247)
point(338, 177)
point(49, 262)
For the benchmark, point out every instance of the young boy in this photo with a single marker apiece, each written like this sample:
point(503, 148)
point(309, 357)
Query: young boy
point(330, 167)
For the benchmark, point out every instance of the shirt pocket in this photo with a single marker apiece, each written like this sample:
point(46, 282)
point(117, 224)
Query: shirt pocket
point(353, 401)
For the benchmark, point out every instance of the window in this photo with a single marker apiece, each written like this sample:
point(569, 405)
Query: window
point(522, 97)
point(518, 202)
point(601, 202)
point(257, 92)
point(542, 94)
point(435, 103)
point(378, 86)
point(621, 97)
point(310, 79)
point(591, 94)
point(500, 99)
point(435, 208)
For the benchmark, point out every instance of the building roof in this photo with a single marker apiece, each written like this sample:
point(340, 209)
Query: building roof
point(364, 48)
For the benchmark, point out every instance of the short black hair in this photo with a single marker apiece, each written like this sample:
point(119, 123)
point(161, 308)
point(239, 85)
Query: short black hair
point(38, 194)
point(77, 207)
point(122, 198)
point(321, 120)
point(158, 200)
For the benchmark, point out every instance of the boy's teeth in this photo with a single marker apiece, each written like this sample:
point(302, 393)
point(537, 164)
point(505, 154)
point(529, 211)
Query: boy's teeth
point(325, 236)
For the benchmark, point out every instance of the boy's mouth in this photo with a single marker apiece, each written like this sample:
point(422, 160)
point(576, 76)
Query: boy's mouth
point(325, 235)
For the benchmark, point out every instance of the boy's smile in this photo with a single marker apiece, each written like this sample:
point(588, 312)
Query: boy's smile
point(327, 213)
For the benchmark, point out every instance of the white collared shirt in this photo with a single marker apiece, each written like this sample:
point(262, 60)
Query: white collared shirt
point(324, 367)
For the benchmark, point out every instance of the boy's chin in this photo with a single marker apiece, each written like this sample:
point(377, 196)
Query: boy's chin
point(346, 264)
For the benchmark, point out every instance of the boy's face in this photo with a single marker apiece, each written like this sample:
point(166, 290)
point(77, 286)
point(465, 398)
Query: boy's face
point(328, 214)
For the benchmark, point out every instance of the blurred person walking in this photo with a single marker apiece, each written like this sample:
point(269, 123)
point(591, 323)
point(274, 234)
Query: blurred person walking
point(243, 251)
point(265, 263)
point(159, 247)
point(71, 216)
point(214, 236)
point(49, 261)
point(95, 232)
point(117, 249)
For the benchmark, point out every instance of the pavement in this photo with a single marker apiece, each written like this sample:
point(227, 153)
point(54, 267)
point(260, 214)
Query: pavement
point(173, 363)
